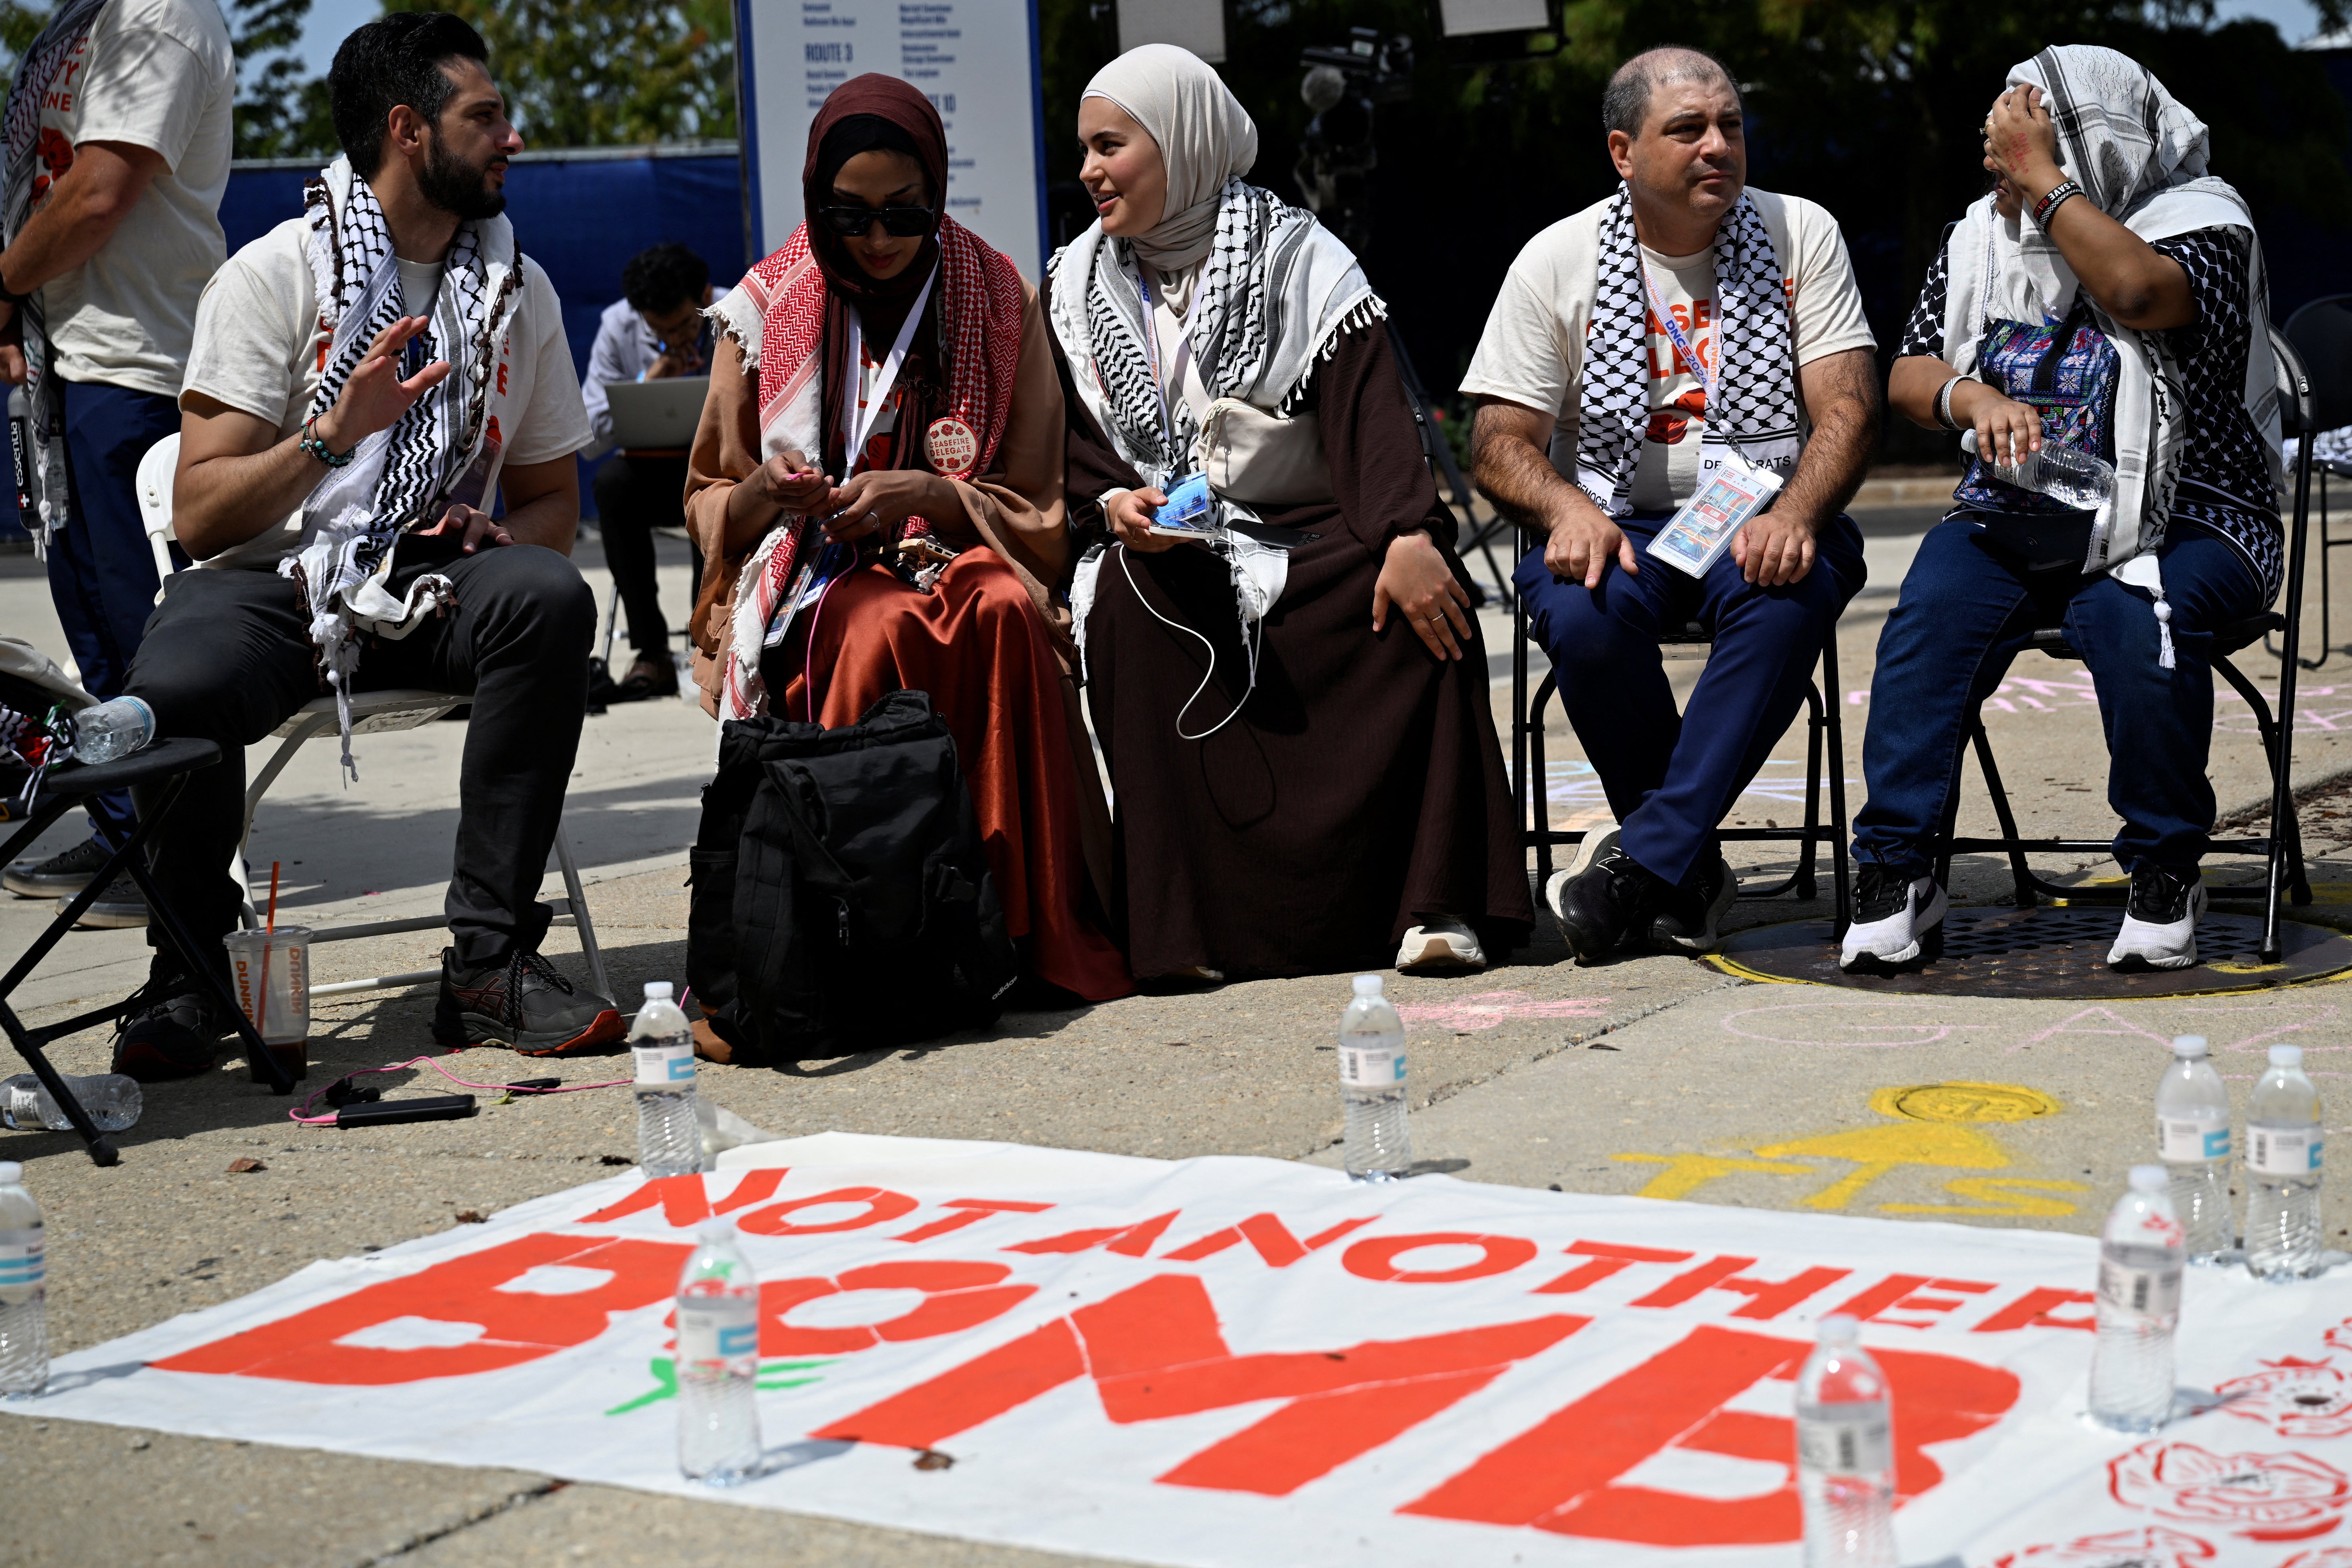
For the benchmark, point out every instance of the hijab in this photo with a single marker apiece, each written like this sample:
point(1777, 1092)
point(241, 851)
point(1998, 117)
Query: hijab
point(1205, 138)
point(865, 114)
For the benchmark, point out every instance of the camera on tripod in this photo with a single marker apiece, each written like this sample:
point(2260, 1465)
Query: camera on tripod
point(1342, 85)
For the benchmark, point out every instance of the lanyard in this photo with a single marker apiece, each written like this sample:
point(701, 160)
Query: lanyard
point(1689, 356)
point(856, 425)
point(1172, 386)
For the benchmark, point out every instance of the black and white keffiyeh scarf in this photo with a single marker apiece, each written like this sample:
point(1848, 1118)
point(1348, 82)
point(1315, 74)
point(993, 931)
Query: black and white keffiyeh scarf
point(41, 464)
point(1276, 290)
point(1754, 393)
point(436, 456)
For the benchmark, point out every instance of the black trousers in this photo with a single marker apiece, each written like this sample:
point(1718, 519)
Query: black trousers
point(228, 656)
point(636, 495)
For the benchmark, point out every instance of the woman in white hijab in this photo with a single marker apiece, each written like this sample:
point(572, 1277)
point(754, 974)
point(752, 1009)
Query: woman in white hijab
point(1295, 715)
point(2104, 300)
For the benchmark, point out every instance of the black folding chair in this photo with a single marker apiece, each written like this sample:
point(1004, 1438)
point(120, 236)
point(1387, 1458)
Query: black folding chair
point(168, 764)
point(2318, 334)
point(1823, 730)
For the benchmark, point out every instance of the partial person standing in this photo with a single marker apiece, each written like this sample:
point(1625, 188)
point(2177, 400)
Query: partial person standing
point(655, 331)
point(1684, 325)
point(368, 380)
point(1332, 797)
point(118, 133)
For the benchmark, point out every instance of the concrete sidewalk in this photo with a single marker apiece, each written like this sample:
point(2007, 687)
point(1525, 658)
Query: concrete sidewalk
point(1658, 1074)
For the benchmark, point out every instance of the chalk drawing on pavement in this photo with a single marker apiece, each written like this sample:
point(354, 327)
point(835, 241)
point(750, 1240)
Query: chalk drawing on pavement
point(1489, 1009)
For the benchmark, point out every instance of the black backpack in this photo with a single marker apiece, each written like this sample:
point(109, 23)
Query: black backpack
point(841, 895)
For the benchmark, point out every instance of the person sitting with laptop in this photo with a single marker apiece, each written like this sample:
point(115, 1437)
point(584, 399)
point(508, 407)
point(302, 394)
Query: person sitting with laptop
point(897, 529)
point(655, 331)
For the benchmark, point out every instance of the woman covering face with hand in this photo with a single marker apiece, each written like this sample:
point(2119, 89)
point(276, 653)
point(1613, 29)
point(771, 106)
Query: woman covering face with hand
point(1296, 719)
point(887, 377)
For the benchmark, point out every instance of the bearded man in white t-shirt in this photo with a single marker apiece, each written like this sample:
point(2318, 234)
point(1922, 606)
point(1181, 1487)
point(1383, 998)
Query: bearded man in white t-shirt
point(1686, 331)
point(118, 135)
point(366, 379)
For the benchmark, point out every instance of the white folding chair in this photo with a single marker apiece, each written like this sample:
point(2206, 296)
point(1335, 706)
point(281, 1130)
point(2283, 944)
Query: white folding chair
point(372, 712)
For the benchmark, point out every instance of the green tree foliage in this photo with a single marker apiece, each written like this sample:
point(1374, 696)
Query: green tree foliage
point(589, 73)
point(281, 112)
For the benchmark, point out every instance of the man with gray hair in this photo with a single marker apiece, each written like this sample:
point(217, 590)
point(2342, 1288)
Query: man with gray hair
point(1684, 342)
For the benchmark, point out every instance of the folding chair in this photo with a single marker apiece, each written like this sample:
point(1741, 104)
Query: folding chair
point(1823, 730)
point(372, 712)
point(2318, 334)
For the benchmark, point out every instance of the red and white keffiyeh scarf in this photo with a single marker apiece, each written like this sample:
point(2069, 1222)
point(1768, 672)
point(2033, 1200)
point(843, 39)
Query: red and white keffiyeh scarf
point(777, 317)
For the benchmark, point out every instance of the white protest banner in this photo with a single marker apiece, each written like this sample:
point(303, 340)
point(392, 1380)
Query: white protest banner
point(976, 61)
point(1237, 1362)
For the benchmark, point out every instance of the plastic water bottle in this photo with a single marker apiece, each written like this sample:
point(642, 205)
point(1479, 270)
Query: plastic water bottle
point(111, 1100)
point(2067, 475)
point(1371, 1082)
point(112, 731)
point(717, 1361)
point(2140, 1255)
point(670, 1139)
point(24, 1311)
point(2283, 1158)
point(2192, 1139)
point(1846, 1452)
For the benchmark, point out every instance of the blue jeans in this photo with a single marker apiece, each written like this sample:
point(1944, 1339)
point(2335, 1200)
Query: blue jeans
point(101, 571)
point(1966, 611)
point(1670, 777)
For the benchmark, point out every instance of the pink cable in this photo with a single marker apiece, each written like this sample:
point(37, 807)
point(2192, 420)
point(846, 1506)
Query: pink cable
point(297, 1114)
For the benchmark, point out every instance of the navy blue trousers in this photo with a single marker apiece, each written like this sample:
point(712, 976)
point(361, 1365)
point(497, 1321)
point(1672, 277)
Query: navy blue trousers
point(101, 571)
point(1671, 776)
point(1965, 612)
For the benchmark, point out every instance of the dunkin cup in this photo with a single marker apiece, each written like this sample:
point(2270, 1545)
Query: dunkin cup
point(271, 970)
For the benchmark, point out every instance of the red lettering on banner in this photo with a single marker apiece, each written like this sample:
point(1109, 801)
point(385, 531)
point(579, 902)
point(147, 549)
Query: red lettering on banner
point(976, 1210)
point(956, 1296)
point(1902, 1293)
point(517, 1325)
point(2035, 1310)
point(686, 1202)
point(1607, 1262)
point(1563, 1475)
point(882, 1206)
point(1269, 1236)
point(1156, 1350)
point(1864, 1306)
point(1767, 1298)
point(1376, 1258)
point(1129, 1240)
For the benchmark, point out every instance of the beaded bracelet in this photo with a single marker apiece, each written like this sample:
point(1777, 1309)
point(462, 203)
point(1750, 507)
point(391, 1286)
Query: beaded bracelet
point(2051, 202)
point(317, 448)
point(1944, 403)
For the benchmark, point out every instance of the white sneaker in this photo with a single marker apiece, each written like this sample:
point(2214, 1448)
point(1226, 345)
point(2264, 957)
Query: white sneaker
point(2159, 928)
point(1893, 918)
point(1440, 942)
point(1598, 841)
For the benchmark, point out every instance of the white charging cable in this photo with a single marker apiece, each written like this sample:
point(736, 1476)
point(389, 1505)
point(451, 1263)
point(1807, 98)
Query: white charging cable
point(1250, 635)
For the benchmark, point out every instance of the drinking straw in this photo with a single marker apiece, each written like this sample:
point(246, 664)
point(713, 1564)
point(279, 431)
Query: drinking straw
point(261, 1001)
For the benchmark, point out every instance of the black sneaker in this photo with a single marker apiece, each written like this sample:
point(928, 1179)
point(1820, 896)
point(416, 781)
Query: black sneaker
point(1610, 901)
point(1897, 918)
point(173, 1030)
point(121, 907)
point(1687, 915)
point(61, 875)
point(522, 1003)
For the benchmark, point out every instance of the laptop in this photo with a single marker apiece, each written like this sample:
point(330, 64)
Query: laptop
point(656, 415)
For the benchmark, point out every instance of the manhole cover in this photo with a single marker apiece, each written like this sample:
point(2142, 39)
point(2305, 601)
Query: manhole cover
point(2045, 952)
point(1964, 1102)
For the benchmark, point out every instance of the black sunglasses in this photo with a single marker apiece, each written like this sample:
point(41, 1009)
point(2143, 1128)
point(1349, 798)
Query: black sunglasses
point(904, 223)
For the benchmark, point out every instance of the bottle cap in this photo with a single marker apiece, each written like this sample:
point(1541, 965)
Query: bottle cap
point(1839, 1329)
point(657, 991)
point(2149, 1179)
point(11, 1172)
point(2286, 1056)
point(1368, 984)
point(2188, 1048)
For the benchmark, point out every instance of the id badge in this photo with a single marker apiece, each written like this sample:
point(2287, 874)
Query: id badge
point(1729, 493)
point(1191, 512)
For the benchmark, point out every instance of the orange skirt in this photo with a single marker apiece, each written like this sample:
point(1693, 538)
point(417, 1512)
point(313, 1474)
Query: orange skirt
point(976, 646)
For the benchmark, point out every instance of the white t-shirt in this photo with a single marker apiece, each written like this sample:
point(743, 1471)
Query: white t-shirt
point(1532, 352)
point(259, 346)
point(157, 74)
